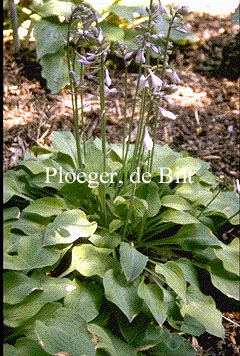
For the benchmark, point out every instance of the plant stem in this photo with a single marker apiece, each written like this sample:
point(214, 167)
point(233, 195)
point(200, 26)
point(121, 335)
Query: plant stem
point(74, 94)
point(164, 65)
point(133, 114)
point(103, 131)
point(125, 112)
point(81, 109)
point(14, 20)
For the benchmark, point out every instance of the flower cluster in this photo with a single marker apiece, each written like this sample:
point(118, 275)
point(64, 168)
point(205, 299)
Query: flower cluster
point(154, 81)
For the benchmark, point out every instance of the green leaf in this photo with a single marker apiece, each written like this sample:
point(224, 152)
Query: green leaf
point(52, 8)
point(234, 18)
point(112, 32)
point(153, 297)
point(31, 224)
point(12, 213)
point(47, 207)
point(106, 340)
point(13, 187)
point(115, 224)
point(64, 142)
point(139, 207)
point(229, 255)
point(44, 314)
point(203, 309)
point(17, 286)
point(55, 71)
point(164, 157)
point(150, 193)
point(175, 202)
point(9, 350)
point(122, 293)
point(184, 168)
point(14, 263)
point(195, 192)
point(132, 331)
point(125, 12)
point(132, 261)
point(55, 33)
point(90, 260)
point(85, 299)
point(174, 277)
point(193, 236)
point(93, 159)
point(173, 345)
point(226, 282)
point(189, 270)
point(33, 254)
point(66, 332)
point(28, 347)
point(33, 165)
point(225, 204)
point(68, 227)
point(191, 326)
point(105, 239)
point(51, 289)
point(178, 217)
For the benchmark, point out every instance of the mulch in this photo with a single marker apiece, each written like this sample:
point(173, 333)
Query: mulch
point(207, 124)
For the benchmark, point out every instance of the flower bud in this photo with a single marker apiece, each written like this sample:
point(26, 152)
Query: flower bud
point(180, 29)
point(183, 11)
point(140, 58)
point(162, 10)
point(108, 80)
point(147, 140)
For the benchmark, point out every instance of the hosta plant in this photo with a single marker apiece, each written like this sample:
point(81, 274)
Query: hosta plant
point(104, 243)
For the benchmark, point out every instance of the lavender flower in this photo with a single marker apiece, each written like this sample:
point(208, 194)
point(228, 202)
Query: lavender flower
point(156, 81)
point(162, 10)
point(167, 114)
point(100, 37)
point(140, 57)
point(143, 83)
point(107, 90)
point(83, 60)
point(172, 75)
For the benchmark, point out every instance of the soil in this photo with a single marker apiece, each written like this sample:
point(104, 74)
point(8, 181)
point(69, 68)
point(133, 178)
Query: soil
point(207, 124)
